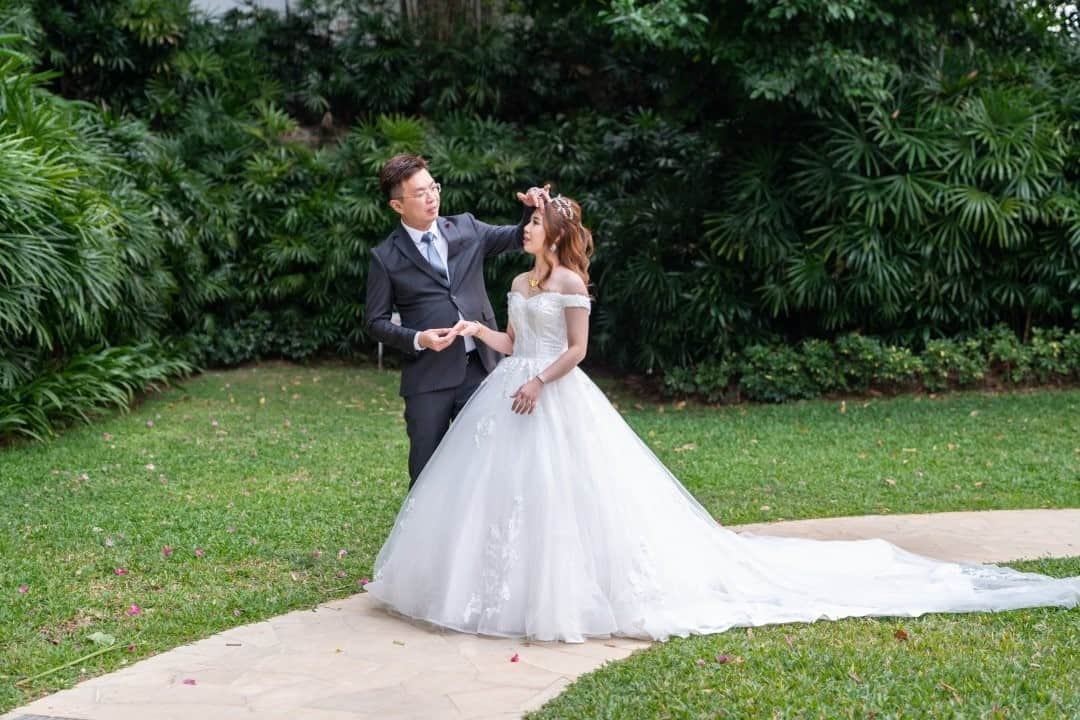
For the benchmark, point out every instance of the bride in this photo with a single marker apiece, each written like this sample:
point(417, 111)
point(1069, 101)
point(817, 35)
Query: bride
point(542, 515)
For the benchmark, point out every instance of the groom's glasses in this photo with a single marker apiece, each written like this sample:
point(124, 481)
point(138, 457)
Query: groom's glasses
point(432, 190)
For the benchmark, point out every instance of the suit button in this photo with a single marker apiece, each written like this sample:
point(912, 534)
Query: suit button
point(454, 298)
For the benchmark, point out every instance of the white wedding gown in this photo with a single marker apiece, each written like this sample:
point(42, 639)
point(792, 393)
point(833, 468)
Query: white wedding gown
point(562, 524)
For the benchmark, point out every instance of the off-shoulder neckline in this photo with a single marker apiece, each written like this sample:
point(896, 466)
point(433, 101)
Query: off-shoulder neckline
point(527, 298)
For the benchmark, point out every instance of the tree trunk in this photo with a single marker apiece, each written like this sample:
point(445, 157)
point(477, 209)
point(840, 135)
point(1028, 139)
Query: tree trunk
point(442, 19)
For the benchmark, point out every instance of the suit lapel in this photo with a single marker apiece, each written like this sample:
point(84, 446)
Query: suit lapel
point(407, 247)
point(454, 246)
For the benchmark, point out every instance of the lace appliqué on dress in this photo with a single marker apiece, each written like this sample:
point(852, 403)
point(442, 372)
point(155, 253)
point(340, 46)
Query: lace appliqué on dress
point(484, 428)
point(500, 556)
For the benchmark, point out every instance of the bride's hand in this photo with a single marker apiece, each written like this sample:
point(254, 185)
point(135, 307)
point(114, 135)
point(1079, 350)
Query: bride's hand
point(469, 328)
point(526, 396)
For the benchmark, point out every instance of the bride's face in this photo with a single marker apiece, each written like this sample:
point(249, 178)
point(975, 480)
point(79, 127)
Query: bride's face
point(535, 234)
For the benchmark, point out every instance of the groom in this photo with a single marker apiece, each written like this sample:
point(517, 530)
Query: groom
point(431, 269)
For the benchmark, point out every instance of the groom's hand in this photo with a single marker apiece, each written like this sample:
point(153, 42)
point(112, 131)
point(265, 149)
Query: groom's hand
point(536, 197)
point(437, 339)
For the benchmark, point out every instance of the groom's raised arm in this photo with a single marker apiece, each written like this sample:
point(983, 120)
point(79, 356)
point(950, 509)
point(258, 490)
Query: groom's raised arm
point(497, 239)
point(378, 307)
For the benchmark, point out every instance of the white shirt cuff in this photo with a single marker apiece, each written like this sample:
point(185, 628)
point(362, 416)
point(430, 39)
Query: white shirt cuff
point(416, 342)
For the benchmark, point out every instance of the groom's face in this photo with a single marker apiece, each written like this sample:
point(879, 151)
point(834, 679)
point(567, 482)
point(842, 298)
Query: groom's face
point(418, 203)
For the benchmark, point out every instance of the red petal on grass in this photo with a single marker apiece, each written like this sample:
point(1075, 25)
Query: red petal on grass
point(198, 552)
point(515, 658)
point(166, 551)
point(121, 571)
point(722, 659)
point(131, 647)
point(362, 582)
point(24, 588)
point(134, 610)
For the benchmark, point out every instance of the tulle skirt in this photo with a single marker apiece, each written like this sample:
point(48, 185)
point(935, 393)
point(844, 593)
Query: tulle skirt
point(563, 525)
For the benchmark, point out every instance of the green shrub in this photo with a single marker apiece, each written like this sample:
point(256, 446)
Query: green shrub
point(1070, 353)
point(62, 393)
point(257, 337)
point(84, 281)
point(861, 358)
point(777, 372)
point(708, 380)
point(951, 363)
point(822, 364)
point(1007, 355)
point(1048, 359)
point(774, 374)
point(899, 368)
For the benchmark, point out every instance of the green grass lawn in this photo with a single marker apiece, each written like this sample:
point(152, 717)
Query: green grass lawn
point(257, 479)
point(1022, 664)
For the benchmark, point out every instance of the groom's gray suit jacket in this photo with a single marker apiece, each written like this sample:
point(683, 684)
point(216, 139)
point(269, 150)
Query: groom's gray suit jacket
point(399, 276)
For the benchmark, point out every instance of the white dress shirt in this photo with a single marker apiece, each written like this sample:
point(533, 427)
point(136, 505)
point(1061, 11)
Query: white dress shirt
point(440, 247)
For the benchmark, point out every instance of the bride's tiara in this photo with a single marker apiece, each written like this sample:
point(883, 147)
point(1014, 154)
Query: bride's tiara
point(563, 207)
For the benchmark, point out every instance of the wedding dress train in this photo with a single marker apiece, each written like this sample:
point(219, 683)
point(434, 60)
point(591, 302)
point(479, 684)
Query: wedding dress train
point(562, 525)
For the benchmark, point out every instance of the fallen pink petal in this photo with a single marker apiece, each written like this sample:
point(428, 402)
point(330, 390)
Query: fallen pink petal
point(699, 662)
point(515, 658)
point(342, 553)
point(198, 552)
point(149, 423)
point(166, 551)
point(121, 571)
point(134, 610)
point(24, 588)
point(724, 659)
point(131, 647)
point(363, 581)
point(316, 554)
point(189, 681)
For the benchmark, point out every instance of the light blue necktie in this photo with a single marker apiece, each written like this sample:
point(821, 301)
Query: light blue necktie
point(433, 256)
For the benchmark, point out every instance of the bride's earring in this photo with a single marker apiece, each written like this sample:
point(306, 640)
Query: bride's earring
point(553, 247)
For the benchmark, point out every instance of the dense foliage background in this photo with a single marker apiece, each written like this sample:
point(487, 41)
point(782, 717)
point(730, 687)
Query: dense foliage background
point(780, 189)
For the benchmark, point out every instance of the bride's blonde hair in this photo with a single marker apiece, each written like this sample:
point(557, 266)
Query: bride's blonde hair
point(573, 241)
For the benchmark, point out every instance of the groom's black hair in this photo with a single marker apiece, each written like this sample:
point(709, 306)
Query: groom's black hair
point(397, 170)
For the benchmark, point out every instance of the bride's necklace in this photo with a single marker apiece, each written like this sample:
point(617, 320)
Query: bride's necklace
point(534, 282)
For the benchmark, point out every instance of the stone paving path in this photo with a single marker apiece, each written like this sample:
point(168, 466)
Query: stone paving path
point(346, 660)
